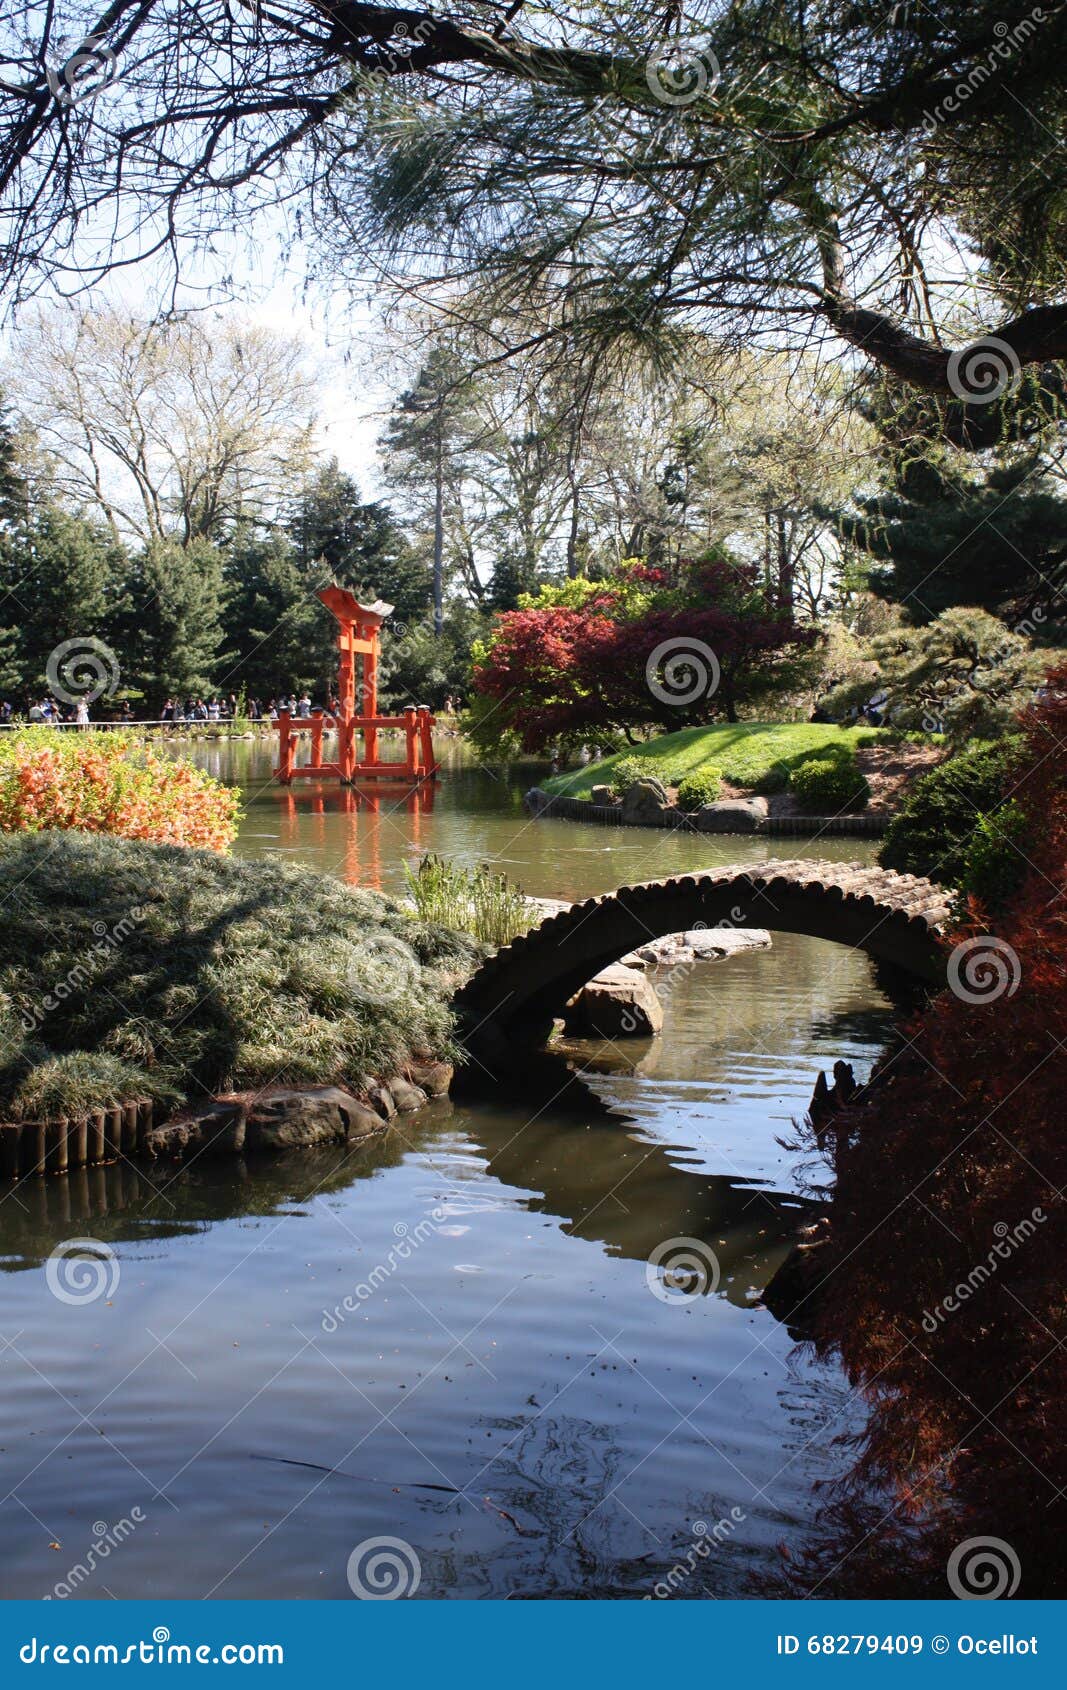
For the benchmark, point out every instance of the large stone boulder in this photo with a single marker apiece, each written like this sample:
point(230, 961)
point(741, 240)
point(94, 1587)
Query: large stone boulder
point(644, 800)
point(210, 1129)
point(286, 1118)
point(535, 800)
point(407, 1097)
point(618, 1003)
point(434, 1078)
point(602, 795)
point(733, 815)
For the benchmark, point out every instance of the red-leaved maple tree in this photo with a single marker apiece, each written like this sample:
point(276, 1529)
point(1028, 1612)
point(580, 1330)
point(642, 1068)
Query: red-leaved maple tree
point(557, 671)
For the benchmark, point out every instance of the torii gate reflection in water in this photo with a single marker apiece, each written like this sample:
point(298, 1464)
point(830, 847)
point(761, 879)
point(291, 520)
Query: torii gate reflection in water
point(358, 637)
point(366, 858)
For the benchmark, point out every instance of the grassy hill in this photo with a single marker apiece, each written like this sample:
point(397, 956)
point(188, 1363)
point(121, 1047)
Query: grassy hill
point(755, 755)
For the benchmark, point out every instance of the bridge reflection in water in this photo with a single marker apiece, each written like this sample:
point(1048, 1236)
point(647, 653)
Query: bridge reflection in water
point(607, 1183)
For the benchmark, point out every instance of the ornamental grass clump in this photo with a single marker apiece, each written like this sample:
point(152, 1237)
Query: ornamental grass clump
point(133, 970)
point(475, 901)
point(111, 783)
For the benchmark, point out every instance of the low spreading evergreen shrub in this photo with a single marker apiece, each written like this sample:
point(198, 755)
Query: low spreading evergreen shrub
point(930, 833)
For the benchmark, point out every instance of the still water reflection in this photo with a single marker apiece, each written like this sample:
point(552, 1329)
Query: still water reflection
point(470, 816)
point(507, 1394)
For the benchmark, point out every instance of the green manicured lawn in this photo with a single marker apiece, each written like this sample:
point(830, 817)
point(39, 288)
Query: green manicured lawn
point(750, 754)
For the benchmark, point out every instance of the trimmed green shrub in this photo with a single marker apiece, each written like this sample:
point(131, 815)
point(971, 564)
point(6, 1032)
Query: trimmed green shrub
point(703, 786)
point(931, 832)
point(828, 785)
point(628, 769)
point(993, 870)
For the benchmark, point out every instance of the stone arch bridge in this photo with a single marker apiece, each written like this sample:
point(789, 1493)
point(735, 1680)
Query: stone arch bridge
point(511, 999)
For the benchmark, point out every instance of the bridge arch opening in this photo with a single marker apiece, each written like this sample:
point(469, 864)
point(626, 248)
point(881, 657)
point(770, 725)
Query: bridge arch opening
point(513, 997)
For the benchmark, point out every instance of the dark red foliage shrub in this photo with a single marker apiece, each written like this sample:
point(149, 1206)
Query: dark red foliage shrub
point(944, 1296)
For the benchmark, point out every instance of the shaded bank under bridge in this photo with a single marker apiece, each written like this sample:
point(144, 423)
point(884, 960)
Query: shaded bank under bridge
point(514, 995)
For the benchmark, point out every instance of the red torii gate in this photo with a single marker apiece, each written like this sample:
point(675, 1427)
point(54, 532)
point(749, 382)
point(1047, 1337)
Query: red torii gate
point(358, 634)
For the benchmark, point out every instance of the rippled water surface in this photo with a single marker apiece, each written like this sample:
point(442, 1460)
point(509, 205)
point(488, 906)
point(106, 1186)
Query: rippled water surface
point(449, 1336)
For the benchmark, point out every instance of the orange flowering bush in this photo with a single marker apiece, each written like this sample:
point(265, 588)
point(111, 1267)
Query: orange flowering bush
point(111, 783)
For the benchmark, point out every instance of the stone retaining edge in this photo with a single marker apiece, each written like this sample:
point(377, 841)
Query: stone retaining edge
point(278, 1118)
point(610, 815)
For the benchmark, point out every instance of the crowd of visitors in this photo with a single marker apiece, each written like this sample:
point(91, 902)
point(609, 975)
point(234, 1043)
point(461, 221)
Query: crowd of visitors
point(52, 712)
point(226, 709)
point(175, 711)
point(217, 708)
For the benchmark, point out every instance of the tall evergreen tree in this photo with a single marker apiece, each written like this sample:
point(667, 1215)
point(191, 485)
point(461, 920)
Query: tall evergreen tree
point(942, 535)
point(273, 620)
point(63, 580)
point(178, 608)
point(12, 512)
point(424, 439)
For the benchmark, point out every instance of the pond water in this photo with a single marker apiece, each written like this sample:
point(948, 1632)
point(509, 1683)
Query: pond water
point(449, 1337)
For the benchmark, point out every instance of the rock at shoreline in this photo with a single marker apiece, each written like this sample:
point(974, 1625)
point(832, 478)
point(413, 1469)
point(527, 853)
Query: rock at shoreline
point(699, 944)
point(293, 1117)
point(644, 799)
point(619, 1003)
point(602, 795)
point(535, 801)
point(434, 1078)
point(215, 1129)
point(407, 1097)
point(287, 1118)
point(733, 815)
